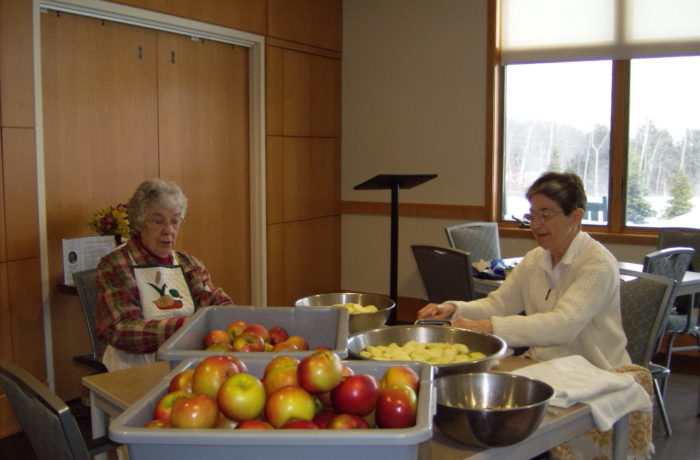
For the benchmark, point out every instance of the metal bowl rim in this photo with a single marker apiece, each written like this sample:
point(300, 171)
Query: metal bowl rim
point(379, 309)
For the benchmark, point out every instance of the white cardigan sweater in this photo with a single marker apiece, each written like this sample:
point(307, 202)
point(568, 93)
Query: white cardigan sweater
point(573, 308)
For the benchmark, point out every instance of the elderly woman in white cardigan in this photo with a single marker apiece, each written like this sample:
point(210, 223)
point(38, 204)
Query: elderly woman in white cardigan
point(568, 287)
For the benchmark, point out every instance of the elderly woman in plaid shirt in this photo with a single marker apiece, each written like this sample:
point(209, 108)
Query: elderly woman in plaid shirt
point(147, 290)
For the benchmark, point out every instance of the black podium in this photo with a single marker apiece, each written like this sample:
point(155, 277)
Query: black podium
point(394, 182)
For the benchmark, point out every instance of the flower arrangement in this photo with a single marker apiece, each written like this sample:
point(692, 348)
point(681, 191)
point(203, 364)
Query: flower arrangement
point(112, 220)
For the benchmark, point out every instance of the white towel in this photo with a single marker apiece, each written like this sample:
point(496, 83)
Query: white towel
point(611, 395)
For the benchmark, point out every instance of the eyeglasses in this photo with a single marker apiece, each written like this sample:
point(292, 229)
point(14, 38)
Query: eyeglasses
point(161, 223)
point(543, 215)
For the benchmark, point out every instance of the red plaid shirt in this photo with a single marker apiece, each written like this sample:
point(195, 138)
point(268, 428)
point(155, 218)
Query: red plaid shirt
point(119, 320)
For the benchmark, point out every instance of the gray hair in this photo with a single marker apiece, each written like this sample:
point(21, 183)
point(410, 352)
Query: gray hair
point(154, 192)
point(566, 189)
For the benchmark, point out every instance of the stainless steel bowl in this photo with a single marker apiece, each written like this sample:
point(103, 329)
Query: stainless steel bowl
point(498, 409)
point(358, 321)
point(493, 347)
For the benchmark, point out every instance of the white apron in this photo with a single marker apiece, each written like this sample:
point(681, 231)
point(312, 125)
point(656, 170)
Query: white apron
point(164, 294)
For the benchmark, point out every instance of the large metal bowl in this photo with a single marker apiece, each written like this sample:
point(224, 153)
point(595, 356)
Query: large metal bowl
point(358, 321)
point(497, 409)
point(493, 347)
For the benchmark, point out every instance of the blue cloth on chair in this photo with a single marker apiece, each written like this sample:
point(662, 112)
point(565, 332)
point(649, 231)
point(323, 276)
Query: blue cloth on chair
point(496, 270)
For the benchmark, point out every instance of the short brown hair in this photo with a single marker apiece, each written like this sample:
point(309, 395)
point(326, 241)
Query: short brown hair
point(564, 188)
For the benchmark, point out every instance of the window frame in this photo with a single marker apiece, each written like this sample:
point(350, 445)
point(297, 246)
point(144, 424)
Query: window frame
point(615, 231)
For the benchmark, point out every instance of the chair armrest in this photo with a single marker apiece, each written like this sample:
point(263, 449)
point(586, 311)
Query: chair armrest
point(91, 361)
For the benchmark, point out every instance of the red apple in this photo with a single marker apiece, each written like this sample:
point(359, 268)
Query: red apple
point(241, 397)
point(287, 403)
point(320, 371)
point(322, 417)
point(235, 328)
point(299, 424)
point(211, 372)
point(299, 341)
point(356, 394)
point(278, 334)
point(347, 422)
point(182, 381)
point(225, 422)
point(158, 423)
point(248, 341)
point(258, 329)
point(280, 377)
point(198, 411)
point(220, 347)
point(284, 346)
point(400, 374)
point(280, 361)
point(254, 425)
point(238, 362)
point(396, 407)
point(216, 336)
point(164, 406)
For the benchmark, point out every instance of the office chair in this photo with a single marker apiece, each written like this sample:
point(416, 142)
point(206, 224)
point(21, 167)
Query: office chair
point(446, 273)
point(645, 300)
point(87, 292)
point(480, 239)
point(46, 420)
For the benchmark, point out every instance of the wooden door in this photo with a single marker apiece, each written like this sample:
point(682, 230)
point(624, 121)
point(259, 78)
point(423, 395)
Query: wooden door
point(203, 137)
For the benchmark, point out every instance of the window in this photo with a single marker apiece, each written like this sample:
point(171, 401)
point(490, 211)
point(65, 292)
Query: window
point(598, 88)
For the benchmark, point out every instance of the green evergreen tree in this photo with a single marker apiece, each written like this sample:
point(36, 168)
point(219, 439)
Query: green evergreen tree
point(638, 208)
point(681, 194)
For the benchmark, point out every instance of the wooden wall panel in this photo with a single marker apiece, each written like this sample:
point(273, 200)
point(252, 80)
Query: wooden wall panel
point(312, 22)
point(311, 262)
point(308, 178)
point(5, 316)
point(16, 64)
point(26, 315)
point(203, 126)
point(274, 91)
point(274, 164)
point(19, 171)
point(3, 246)
point(248, 15)
point(8, 423)
point(325, 97)
point(276, 266)
point(296, 104)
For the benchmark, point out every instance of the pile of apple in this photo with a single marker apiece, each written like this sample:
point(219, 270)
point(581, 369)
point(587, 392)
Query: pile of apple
point(316, 392)
point(240, 336)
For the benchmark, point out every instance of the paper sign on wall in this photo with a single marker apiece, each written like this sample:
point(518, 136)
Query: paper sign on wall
point(83, 254)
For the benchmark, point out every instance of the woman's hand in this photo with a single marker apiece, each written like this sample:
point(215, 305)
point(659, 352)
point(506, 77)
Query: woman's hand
point(436, 311)
point(483, 325)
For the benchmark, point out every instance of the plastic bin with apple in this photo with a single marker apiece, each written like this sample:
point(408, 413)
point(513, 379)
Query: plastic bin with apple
point(179, 443)
point(321, 327)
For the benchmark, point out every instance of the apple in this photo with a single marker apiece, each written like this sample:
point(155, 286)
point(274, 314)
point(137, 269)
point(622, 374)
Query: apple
point(199, 411)
point(356, 394)
point(299, 424)
point(320, 371)
point(284, 346)
point(287, 403)
point(254, 424)
point(211, 372)
point(347, 371)
point(323, 416)
point(225, 423)
point(235, 328)
point(182, 381)
point(158, 423)
point(238, 362)
point(164, 406)
point(220, 347)
point(400, 374)
point(280, 377)
point(216, 336)
point(278, 334)
point(347, 422)
point(258, 329)
point(299, 341)
point(396, 406)
point(241, 397)
point(280, 361)
point(248, 341)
